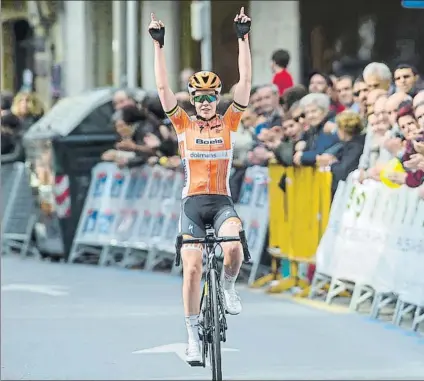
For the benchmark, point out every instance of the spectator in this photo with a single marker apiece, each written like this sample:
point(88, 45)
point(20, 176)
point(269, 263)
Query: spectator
point(393, 142)
point(243, 143)
point(293, 95)
point(321, 83)
point(377, 75)
point(373, 95)
point(360, 93)
point(122, 98)
point(344, 88)
point(298, 115)
point(27, 107)
point(125, 132)
point(282, 143)
point(392, 106)
point(375, 155)
point(142, 137)
point(419, 114)
point(418, 105)
point(414, 134)
point(6, 98)
point(406, 78)
point(418, 99)
point(315, 141)
point(282, 78)
point(346, 160)
point(266, 104)
point(10, 128)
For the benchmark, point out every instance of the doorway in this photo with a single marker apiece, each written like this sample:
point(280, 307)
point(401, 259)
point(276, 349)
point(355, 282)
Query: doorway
point(23, 50)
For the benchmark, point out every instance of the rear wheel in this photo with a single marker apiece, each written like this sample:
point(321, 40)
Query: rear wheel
point(215, 353)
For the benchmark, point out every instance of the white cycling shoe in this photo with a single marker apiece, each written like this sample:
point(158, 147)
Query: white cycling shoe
point(232, 302)
point(193, 353)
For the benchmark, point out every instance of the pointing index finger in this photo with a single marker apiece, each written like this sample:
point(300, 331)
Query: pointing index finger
point(153, 16)
point(242, 11)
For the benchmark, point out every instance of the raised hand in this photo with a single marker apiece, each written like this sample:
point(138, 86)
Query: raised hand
point(157, 30)
point(242, 24)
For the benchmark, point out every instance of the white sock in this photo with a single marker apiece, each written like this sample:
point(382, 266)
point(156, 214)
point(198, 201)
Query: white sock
point(229, 281)
point(192, 324)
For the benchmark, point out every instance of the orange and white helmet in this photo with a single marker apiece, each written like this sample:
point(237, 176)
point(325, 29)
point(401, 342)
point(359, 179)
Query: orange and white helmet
point(204, 80)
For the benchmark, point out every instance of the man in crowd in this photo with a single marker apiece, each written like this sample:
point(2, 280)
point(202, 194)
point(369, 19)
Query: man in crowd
point(344, 88)
point(406, 78)
point(377, 75)
point(322, 83)
point(265, 101)
point(360, 93)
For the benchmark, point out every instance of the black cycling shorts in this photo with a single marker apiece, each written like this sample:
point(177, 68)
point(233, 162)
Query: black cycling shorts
point(198, 211)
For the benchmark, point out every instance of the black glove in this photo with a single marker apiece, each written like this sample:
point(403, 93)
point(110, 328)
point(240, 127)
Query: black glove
point(242, 28)
point(158, 35)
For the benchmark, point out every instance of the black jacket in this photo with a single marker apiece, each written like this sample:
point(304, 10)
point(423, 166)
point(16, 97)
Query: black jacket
point(348, 160)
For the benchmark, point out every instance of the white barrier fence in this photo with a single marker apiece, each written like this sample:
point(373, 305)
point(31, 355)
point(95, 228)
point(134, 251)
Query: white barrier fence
point(17, 210)
point(374, 247)
point(135, 213)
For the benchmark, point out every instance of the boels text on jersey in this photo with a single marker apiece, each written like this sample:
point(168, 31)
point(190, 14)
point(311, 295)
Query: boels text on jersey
point(201, 141)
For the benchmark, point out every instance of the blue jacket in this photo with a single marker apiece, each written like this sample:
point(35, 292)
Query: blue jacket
point(317, 142)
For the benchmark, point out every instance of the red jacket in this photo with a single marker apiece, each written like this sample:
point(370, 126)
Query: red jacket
point(283, 80)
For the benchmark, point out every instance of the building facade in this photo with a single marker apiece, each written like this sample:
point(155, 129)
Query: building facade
point(106, 43)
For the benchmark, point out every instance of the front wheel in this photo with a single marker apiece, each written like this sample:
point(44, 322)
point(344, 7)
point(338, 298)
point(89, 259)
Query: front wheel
point(215, 327)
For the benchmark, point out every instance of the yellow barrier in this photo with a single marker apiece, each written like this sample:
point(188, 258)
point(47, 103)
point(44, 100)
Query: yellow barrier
point(298, 217)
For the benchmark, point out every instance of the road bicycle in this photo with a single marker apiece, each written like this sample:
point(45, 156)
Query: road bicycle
point(212, 322)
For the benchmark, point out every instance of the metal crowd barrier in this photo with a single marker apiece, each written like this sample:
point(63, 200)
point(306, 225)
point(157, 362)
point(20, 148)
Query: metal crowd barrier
point(130, 217)
point(18, 211)
point(373, 249)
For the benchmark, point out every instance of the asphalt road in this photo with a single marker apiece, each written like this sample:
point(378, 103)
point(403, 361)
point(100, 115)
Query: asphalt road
point(63, 322)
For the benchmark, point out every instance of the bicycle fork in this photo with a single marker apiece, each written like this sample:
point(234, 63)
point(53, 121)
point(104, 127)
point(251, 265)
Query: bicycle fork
point(205, 328)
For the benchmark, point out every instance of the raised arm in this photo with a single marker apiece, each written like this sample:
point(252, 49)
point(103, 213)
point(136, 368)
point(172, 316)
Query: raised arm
point(242, 89)
point(167, 97)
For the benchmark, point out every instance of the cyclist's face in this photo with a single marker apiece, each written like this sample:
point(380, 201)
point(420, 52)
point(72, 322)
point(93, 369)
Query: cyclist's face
point(205, 103)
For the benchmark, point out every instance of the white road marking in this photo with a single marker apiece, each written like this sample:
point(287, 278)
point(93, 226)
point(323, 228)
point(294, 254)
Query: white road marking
point(178, 348)
point(51, 290)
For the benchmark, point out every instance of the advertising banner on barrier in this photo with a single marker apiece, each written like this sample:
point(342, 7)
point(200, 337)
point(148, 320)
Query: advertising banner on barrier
point(140, 208)
point(253, 208)
point(375, 238)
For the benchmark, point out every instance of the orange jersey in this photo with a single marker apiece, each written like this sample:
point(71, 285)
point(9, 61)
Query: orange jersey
point(206, 150)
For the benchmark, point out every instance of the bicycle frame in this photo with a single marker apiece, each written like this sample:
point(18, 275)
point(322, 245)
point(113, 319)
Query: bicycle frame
point(212, 265)
point(212, 308)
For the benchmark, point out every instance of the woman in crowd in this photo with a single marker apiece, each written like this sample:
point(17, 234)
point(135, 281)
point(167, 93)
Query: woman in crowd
point(316, 140)
point(346, 160)
point(28, 108)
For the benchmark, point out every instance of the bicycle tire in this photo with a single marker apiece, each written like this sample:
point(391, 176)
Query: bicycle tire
point(215, 352)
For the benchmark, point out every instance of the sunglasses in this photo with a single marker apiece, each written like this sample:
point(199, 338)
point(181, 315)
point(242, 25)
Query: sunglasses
point(301, 116)
point(207, 97)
